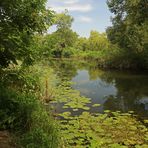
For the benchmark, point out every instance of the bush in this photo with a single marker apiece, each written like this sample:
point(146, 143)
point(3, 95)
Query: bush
point(67, 52)
point(22, 111)
point(24, 114)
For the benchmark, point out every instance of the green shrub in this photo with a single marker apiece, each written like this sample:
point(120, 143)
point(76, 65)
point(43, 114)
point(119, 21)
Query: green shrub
point(67, 52)
point(21, 108)
point(24, 114)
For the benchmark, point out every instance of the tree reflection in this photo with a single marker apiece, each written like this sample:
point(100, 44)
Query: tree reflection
point(65, 69)
point(132, 88)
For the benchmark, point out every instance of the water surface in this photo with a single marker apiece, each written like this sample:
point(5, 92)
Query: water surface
point(114, 90)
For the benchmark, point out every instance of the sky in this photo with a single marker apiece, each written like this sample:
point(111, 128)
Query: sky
point(88, 14)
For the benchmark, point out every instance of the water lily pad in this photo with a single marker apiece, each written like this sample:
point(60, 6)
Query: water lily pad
point(96, 105)
point(75, 109)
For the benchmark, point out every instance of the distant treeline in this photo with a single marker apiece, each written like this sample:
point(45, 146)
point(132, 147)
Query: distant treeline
point(124, 45)
point(24, 40)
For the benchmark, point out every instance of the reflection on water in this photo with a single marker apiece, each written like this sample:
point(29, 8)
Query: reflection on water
point(114, 90)
point(95, 89)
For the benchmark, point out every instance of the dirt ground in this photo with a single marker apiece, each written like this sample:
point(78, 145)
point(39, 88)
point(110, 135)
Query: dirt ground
point(6, 140)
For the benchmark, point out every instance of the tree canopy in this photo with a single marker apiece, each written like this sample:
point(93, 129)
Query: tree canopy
point(19, 22)
point(64, 38)
point(63, 20)
point(129, 28)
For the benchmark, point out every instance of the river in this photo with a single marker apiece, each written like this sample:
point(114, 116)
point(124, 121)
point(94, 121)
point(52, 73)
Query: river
point(115, 90)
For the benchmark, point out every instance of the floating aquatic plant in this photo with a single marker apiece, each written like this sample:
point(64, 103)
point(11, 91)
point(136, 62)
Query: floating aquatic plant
point(111, 129)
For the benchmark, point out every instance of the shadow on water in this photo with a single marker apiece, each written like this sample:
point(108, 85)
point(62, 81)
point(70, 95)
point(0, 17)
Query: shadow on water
point(114, 90)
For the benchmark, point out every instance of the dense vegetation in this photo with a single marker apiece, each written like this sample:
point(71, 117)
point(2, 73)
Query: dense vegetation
point(21, 109)
point(20, 21)
point(27, 85)
point(124, 45)
point(130, 30)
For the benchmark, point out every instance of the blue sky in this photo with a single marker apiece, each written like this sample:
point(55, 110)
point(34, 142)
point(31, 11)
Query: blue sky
point(88, 14)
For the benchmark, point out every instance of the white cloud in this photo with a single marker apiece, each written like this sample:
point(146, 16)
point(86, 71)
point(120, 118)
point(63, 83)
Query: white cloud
point(76, 7)
point(85, 19)
point(70, 5)
point(70, 1)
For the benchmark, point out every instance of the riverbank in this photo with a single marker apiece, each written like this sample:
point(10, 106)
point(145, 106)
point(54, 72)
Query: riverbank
point(75, 125)
point(112, 58)
point(22, 110)
point(6, 140)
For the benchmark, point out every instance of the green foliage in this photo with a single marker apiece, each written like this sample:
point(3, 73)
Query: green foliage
point(99, 49)
point(71, 98)
point(89, 130)
point(30, 79)
point(13, 106)
point(63, 21)
point(123, 46)
point(97, 41)
point(20, 20)
point(43, 131)
point(61, 42)
point(85, 129)
point(21, 108)
point(24, 114)
point(64, 41)
point(106, 58)
point(68, 52)
point(129, 29)
point(82, 44)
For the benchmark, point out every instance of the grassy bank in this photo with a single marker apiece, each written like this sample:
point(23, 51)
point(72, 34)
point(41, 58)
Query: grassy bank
point(113, 58)
point(22, 110)
point(23, 95)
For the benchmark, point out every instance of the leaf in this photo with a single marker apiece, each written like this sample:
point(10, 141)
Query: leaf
point(75, 109)
point(96, 105)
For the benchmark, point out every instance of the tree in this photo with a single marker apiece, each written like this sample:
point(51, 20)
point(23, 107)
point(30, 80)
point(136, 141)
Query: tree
point(63, 38)
point(130, 29)
point(66, 36)
point(20, 20)
point(97, 41)
point(63, 20)
point(82, 44)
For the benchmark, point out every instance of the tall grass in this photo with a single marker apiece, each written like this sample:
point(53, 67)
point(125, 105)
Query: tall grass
point(22, 110)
